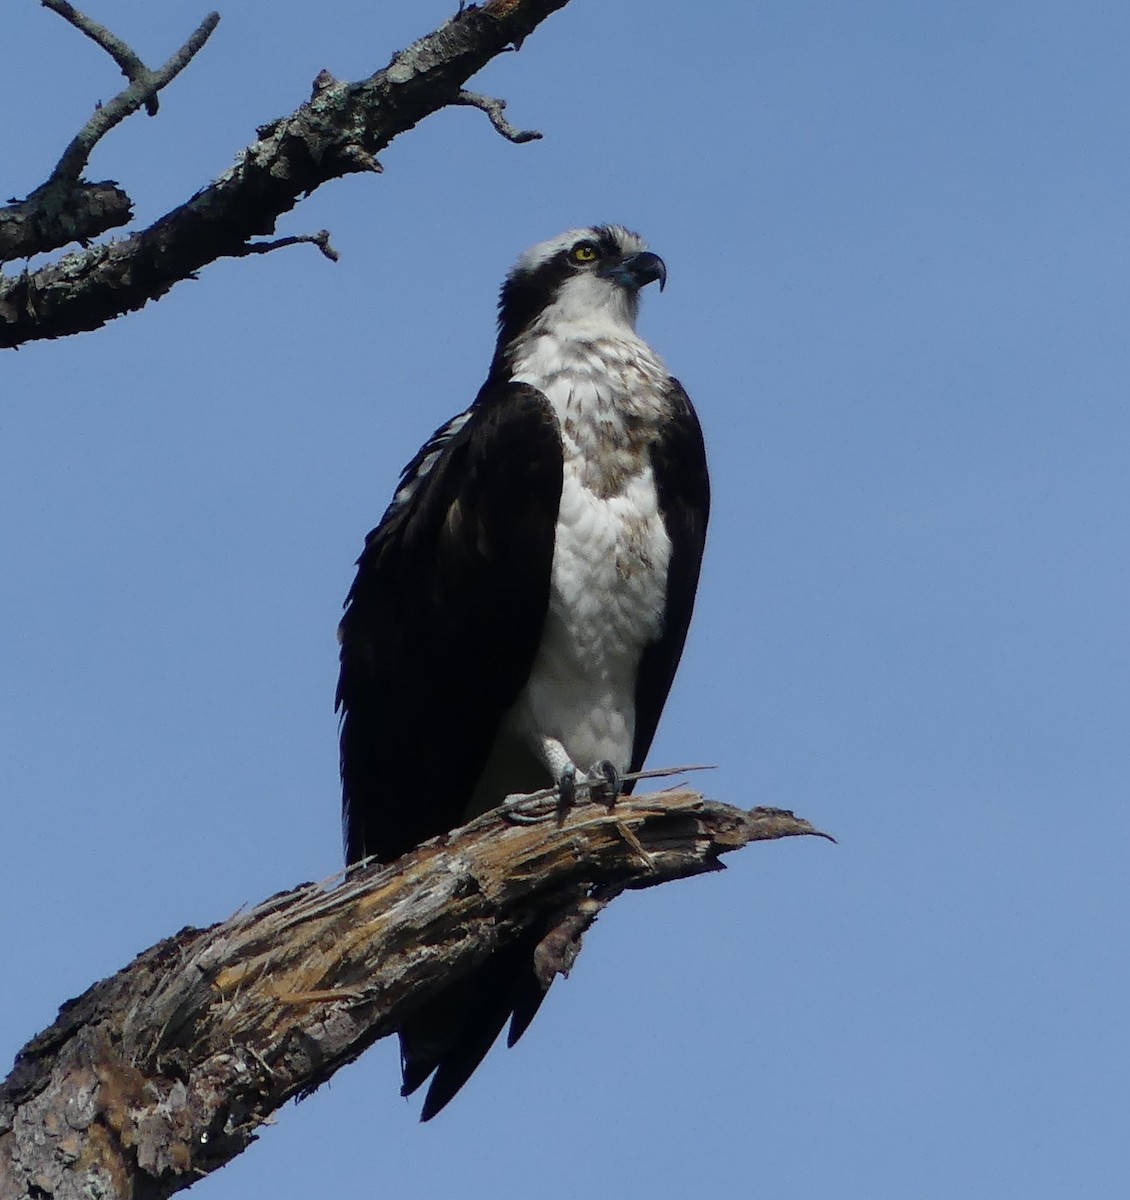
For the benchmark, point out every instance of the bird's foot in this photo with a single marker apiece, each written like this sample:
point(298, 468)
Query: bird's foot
point(529, 808)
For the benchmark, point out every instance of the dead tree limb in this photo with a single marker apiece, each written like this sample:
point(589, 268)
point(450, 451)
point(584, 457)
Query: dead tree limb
point(339, 131)
point(144, 84)
point(67, 209)
point(162, 1073)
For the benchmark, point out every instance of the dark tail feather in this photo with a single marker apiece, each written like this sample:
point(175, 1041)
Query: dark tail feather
point(526, 1005)
point(458, 1065)
point(452, 1033)
point(413, 1071)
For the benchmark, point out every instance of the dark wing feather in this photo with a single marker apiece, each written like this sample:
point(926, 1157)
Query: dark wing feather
point(444, 618)
point(678, 460)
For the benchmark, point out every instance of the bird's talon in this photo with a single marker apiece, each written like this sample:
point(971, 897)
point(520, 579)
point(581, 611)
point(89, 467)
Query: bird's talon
point(606, 782)
point(567, 788)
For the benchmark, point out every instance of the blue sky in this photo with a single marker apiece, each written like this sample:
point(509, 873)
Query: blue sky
point(897, 238)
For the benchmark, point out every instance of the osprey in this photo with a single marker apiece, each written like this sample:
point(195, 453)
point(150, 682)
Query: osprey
point(519, 612)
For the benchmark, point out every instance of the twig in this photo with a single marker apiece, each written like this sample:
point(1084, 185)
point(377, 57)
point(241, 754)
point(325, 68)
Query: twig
point(321, 239)
point(493, 109)
point(131, 65)
point(143, 85)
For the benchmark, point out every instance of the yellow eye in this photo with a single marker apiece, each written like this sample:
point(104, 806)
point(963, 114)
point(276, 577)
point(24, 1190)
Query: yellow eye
point(584, 252)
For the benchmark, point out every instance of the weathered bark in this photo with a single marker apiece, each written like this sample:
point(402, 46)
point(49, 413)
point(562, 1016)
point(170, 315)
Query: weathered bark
point(161, 1073)
point(54, 216)
point(338, 132)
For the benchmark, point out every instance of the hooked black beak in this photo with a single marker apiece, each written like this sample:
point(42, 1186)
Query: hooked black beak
point(639, 270)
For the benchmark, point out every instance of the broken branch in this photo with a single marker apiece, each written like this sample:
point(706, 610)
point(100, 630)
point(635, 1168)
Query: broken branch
point(162, 1073)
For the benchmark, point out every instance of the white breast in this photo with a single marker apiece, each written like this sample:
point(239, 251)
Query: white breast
point(609, 576)
point(606, 604)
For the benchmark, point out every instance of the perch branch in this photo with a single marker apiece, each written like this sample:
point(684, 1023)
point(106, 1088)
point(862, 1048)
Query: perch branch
point(163, 1072)
point(339, 131)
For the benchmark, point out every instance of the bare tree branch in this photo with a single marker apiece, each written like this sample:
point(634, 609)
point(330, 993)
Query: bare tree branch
point(162, 1073)
point(142, 91)
point(339, 131)
point(65, 209)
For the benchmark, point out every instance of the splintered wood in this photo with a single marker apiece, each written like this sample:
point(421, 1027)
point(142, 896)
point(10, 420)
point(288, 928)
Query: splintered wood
point(161, 1073)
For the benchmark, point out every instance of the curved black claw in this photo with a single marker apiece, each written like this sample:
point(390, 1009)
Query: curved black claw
point(609, 790)
point(567, 787)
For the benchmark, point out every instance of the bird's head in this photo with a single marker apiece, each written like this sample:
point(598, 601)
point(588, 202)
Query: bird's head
point(586, 280)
